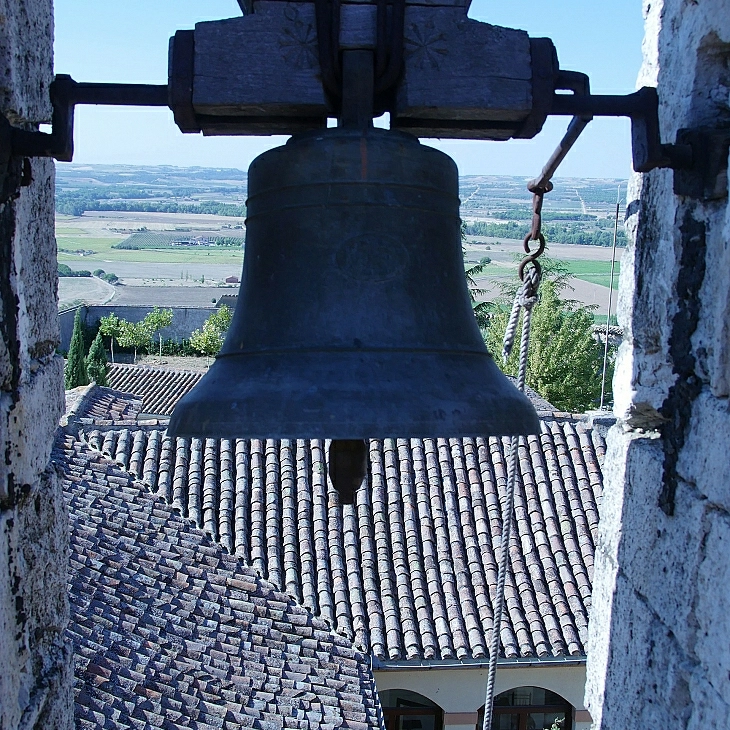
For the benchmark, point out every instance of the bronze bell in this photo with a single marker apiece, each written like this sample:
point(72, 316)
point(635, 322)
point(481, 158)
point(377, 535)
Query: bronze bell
point(353, 319)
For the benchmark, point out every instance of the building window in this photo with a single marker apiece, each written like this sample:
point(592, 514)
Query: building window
point(406, 710)
point(529, 708)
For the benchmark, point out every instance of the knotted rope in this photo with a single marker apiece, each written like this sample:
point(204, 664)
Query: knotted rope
point(530, 273)
point(526, 298)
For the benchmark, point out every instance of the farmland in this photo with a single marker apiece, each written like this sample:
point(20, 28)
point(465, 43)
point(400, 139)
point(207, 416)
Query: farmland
point(73, 291)
point(120, 229)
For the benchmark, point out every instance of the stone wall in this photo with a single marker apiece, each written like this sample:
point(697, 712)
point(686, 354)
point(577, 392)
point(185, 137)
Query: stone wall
point(659, 653)
point(35, 659)
point(184, 319)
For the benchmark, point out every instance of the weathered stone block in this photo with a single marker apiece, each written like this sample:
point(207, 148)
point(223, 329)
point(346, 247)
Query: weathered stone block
point(35, 264)
point(645, 676)
point(28, 420)
point(709, 709)
point(704, 467)
point(711, 615)
point(35, 656)
point(26, 34)
point(34, 653)
point(643, 305)
point(658, 652)
point(712, 340)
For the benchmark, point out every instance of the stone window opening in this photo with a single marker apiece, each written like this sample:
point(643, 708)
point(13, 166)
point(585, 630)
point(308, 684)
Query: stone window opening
point(406, 710)
point(529, 708)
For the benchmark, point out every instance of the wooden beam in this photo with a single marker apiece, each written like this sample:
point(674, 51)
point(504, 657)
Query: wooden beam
point(262, 64)
point(462, 78)
point(465, 4)
point(461, 69)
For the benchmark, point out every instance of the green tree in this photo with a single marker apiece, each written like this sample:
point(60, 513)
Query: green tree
point(135, 335)
point(97, 365)
point(209, 340)
point(565, 361)
point(112, 327)
point(156, 321)
point(75, 373)
point(553, 270)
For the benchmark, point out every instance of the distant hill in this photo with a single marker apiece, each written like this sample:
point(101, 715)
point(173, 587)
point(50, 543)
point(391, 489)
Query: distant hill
point(578, 210)
point(165, 189)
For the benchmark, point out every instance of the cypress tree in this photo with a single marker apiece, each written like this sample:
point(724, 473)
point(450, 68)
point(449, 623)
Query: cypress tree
point(75, 374)
point(96, 362)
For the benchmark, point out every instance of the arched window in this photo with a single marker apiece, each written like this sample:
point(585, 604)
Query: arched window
point(529, 708)
point(406, 710)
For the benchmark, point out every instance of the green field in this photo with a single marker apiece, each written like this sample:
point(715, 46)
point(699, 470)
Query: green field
point(595, 272)
point(102, 250)
point(152, 240)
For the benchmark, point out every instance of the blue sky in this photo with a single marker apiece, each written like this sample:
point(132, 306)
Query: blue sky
point(97, 40)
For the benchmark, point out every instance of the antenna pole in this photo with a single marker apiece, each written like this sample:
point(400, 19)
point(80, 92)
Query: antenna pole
point(610, 299)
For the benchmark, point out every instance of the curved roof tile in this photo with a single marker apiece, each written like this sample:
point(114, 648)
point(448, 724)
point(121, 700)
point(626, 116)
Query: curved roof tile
point(169, 630)
point(159, 389)
point(409, 570)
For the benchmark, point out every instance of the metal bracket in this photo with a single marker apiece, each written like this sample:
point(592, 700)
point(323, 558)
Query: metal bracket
point(65, 95)
point(642, 107)
point(17, 144)
point(706, 178)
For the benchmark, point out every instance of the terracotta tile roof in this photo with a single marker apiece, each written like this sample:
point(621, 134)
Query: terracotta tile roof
point(159, 389)
point(230, 300)
point(103, 406)
point(409, 571)
point(538, 402)
point(170, 631)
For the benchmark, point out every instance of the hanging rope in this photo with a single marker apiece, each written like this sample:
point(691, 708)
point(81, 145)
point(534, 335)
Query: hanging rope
point(526, 298)
point(530, 273)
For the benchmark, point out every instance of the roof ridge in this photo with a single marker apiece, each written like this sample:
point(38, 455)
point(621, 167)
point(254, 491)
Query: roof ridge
point(120, 471)
point(138, 571)
point(156, 368)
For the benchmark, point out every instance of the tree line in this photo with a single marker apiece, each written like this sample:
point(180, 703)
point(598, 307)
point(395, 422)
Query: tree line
point(521, 213)
point(555, 232)
point(138, 337)
point(77, 204)
point(64, 270)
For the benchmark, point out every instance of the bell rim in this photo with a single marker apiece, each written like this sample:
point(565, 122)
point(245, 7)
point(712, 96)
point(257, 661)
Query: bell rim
point(352, 395)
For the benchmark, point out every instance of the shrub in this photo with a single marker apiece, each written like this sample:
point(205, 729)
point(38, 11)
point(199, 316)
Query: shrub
point(97, 365)
point(75, 373)
point(209, 340)
point(181, 348)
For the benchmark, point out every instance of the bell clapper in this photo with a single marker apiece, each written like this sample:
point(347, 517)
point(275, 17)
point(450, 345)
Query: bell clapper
point(348, 467)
